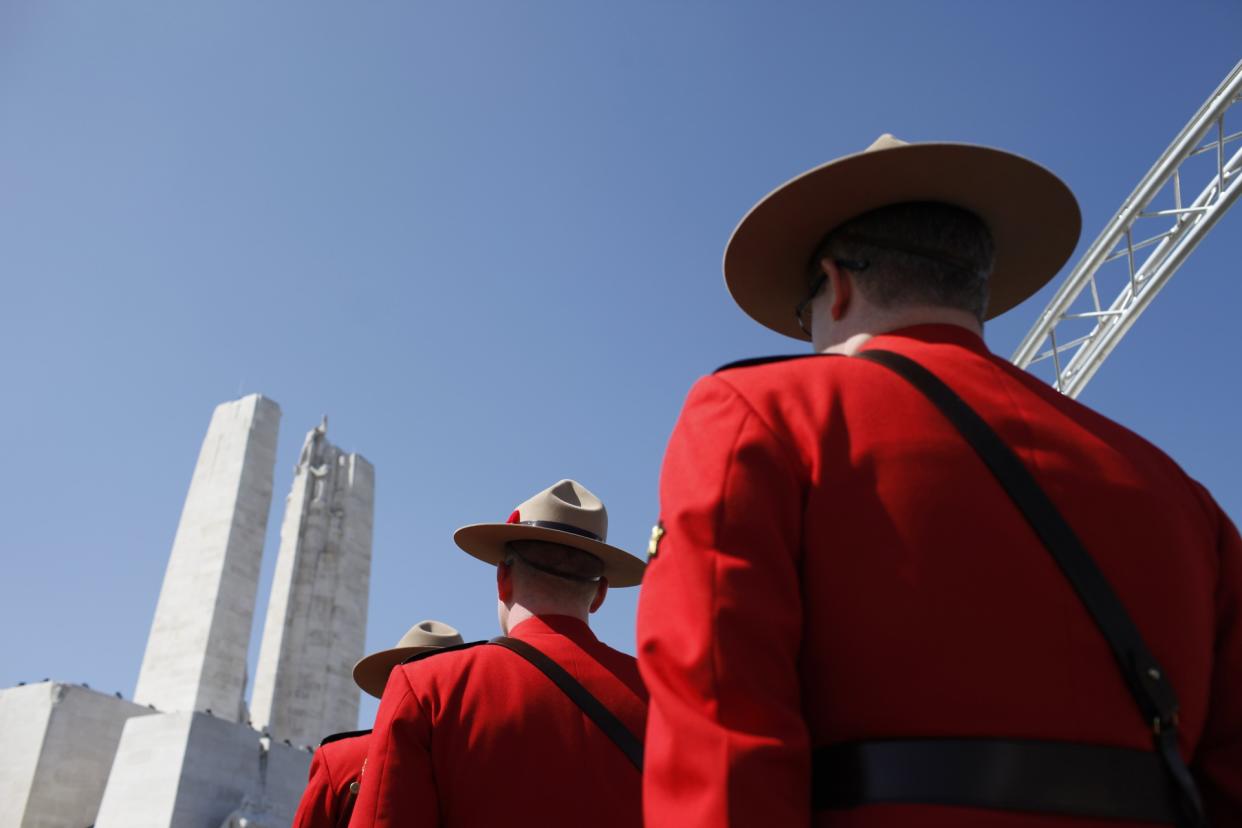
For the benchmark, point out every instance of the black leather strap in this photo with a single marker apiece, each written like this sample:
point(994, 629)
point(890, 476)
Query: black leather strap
point(1063, 778)
point(595, 710)
point(1143, 675)
point(351, 799)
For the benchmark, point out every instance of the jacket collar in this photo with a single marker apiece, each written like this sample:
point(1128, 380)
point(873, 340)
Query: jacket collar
point(562, 625)
point(939, 334)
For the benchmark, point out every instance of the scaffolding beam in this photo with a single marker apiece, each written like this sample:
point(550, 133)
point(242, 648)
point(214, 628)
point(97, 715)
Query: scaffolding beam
point(1149, 264)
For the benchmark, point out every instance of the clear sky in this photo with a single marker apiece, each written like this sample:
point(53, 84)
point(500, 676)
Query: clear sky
point(484, 238)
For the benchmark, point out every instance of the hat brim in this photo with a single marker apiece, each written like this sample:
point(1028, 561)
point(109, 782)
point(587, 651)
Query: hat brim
point(486, 541)
point(1033, 216)
point(371, 671)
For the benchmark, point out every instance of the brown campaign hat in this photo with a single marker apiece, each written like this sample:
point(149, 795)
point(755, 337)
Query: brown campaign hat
point(1032, 215)
point(371, 672)
point(566, 513)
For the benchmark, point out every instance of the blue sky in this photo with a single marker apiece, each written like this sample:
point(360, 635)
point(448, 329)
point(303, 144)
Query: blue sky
point(484, 238)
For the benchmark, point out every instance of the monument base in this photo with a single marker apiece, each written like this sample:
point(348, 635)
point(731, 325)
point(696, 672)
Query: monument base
point(192, 769)
point(59, 740)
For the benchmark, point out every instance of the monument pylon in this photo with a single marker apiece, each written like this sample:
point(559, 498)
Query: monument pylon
point(317, 613)
point(195, 658)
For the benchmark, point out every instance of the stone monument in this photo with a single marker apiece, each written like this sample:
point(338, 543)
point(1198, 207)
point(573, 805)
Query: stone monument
point(317, 613)
point(196, 653)
point(186, 754)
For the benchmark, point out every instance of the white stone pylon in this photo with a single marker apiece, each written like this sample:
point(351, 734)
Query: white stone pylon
point(196, 654)
point(317, 614)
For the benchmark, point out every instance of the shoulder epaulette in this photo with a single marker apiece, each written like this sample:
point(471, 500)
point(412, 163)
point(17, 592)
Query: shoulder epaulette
point(747, 363)
point(348, 734)
point(439, 650)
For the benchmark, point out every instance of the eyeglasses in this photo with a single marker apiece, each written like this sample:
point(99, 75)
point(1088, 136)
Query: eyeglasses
point(818, 284)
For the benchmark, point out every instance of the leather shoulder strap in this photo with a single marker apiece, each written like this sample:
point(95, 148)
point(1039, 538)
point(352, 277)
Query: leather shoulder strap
point(347, 810)
point(613, 727)
point(1143, 675)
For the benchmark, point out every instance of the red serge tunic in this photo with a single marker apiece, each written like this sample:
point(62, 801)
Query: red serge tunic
point(336, 765)
point(839, 565)
point(477, 736)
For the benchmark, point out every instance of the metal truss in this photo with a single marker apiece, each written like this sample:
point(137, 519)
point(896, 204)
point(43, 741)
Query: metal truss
point(1075, 331)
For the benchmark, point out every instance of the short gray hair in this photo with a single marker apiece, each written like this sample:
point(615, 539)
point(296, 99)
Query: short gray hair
point(554, 571)
point(556, 559)
point(919, 252)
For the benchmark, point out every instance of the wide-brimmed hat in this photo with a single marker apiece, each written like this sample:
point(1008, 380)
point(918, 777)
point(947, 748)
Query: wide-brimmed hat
point(1032, 215)
point(371, 672)
point(566, 513)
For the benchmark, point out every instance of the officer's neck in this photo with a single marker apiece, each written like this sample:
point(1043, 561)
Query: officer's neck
point(863, 321)
point(515, 613)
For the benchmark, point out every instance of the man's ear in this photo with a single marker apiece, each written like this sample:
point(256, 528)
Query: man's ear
point(504, 582)
point(600, 592)
point(842, 286)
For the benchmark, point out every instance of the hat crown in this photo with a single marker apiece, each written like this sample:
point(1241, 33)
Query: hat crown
point(568, 503)
point(431, 634)
point(886, 141)
point(567, 514)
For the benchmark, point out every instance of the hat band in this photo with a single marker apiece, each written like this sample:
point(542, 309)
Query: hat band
point(562, 527)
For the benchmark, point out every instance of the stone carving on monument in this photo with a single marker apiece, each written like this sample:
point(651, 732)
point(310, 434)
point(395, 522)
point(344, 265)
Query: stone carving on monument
point(185, 752)
point(261, 808)
point(317, 615)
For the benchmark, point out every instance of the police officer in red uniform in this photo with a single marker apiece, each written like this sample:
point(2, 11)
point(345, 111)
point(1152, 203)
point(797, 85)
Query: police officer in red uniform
point(853, 616)
point(539, 727)
point(336, 767)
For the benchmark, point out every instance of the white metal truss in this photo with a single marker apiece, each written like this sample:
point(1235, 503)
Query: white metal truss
point(1075, 331)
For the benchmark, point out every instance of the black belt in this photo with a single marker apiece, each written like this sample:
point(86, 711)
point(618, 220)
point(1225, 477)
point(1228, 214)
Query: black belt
point(1064, 778)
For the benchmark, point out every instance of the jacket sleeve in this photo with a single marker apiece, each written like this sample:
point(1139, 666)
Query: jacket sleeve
point(397, 786)
point(1218, 757)
point(316, 808)
point(719, 624)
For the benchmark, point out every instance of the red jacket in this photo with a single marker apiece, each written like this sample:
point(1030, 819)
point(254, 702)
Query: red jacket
point(336, 765)
point(838, 565)
point(477, 736)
